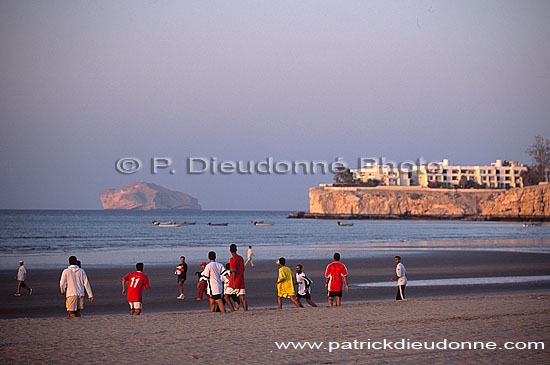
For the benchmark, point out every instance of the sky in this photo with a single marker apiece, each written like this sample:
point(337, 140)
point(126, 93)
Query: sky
point(84, 84)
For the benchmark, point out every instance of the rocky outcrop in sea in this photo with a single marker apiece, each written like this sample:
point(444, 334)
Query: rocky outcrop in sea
point(147, 196)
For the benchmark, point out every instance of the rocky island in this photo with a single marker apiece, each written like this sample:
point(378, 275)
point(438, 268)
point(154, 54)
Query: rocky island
point(522, 204)
point(147, 196)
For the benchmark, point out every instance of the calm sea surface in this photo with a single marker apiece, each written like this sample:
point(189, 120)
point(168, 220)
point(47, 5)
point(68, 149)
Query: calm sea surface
point(119, 237)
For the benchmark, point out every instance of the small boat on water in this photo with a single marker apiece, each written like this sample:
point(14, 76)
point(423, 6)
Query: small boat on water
point(345, 224)
point(173, 224)
point(255, 222)
point(262, 224)
point(186, 223)
point(157, 223)
point(217, 224)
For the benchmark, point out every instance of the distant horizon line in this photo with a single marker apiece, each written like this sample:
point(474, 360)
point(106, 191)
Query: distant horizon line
point(152, 210)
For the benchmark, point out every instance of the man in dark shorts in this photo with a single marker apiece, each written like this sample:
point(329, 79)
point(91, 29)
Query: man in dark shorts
point(181, 272)
point(212, 273)
point(303, 282)
point(335, 272)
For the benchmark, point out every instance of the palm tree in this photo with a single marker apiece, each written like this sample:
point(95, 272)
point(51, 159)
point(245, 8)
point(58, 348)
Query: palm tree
point(343, 175)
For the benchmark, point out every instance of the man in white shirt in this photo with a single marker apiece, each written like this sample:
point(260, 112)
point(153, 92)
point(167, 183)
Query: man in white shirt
point(73, 283)
point(401, 278)
point(21, 277)
point(213, 275)
point(304, 286)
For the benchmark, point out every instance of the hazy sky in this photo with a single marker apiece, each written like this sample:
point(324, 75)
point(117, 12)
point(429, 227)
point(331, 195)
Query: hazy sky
point(84, 83)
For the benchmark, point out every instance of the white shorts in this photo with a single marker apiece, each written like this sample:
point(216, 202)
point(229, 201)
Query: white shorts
point(237, 292)
point(74, 303)
point(135, 305)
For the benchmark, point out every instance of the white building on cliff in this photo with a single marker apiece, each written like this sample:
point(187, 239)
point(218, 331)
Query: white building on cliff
point(499, 175)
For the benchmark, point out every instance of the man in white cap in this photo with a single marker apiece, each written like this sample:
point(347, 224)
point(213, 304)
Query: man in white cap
point(21, 277)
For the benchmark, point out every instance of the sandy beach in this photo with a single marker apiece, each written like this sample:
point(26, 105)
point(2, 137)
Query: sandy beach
point(172, 329)
point(200, 337)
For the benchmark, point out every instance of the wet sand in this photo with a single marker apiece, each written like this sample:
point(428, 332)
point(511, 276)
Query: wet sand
point(260, 282)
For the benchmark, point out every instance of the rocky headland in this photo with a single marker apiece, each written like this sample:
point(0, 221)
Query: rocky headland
point(529, 203)
point(147, 196)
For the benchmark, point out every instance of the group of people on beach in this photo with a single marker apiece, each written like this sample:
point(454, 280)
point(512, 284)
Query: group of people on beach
point(224, 285)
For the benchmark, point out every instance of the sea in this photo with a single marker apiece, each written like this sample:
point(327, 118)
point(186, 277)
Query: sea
point(45, 238)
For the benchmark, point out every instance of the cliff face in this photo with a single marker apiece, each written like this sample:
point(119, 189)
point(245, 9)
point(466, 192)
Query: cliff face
point(525, 202)
point(147, 196)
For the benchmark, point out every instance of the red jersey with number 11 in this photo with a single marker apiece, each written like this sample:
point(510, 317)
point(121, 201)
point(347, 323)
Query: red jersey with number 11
point(136, 281)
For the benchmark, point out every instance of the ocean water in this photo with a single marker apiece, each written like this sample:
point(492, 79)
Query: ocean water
point(47, 237)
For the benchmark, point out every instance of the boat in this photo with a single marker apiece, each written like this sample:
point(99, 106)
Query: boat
point(345, 224)
point(173, 224)
point(217, 224)
point(157, 223)
point(254, 222)
point(263, 224)
point(186, 223)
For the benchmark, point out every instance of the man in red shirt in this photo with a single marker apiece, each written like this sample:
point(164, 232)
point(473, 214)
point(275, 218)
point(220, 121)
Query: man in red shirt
point(136, 281)
point(236, 280)
point(335, 272)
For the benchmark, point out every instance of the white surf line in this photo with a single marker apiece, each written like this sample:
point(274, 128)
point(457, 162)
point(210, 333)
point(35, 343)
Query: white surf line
point(460, 281)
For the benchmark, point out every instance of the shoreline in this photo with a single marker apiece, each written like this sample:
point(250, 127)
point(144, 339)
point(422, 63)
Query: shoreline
point(162, 256)
point(444, 217)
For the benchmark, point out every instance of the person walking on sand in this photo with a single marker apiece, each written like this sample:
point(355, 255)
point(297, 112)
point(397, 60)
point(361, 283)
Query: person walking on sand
point(21, 277)
point(213, 275)
point(334, 274)
point(136, 282)
point(250, 254)
point(73, 283)
point(285, 288)
point(181, 272)
point(201, 285)
point(400, 277)
point(303, 282)
point(236, 280)
point(227, 291)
